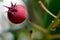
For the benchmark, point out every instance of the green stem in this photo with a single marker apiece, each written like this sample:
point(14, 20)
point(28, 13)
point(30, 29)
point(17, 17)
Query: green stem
point(55, 22)
point(42, 5)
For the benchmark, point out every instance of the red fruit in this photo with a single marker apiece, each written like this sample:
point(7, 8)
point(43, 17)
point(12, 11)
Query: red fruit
point(17, 13)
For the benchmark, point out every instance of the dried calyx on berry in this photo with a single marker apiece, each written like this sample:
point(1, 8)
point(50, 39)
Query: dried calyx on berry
point(17, 13)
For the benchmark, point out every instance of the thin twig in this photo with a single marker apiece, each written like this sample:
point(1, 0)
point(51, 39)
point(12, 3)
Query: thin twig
point(42, 5)
point(38, 27)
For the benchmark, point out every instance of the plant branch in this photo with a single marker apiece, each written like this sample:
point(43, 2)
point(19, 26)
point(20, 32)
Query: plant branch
point(42, 5)
point(55, 22)
point(30, 34)
point(38, 27)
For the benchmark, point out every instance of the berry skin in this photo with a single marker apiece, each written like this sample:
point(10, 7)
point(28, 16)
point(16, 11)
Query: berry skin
point(17, 13)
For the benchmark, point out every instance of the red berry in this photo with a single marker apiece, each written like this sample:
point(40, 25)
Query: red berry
point(17, 13)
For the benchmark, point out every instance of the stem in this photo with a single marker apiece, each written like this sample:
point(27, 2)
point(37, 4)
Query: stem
point(38, 27)
point(55, 22)
point(30, 37)
point(30, 34)
point(42, 5)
